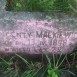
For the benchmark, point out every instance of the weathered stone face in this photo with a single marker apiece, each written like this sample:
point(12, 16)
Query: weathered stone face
point(35, 37)
point(34, 33)
point(2, 5)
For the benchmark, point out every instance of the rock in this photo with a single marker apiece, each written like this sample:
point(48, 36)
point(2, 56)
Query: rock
point(2, 5)
point(37, 33)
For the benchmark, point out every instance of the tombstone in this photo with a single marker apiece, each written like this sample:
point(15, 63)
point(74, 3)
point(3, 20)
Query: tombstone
point(36, 33)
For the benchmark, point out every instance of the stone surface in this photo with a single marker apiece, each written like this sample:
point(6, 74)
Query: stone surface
point(36, 37)
point(36, 33)
point(2, 5)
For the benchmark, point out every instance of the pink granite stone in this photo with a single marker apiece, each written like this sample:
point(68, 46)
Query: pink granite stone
point(37, 37)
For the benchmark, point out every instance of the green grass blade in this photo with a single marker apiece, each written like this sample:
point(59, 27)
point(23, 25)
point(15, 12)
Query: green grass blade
point(48, 59)
point(59, 59)
point(24, 60)
point(54, 60)
point(62, 61)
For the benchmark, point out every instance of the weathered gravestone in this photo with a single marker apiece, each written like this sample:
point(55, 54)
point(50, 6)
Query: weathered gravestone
point(36, 33)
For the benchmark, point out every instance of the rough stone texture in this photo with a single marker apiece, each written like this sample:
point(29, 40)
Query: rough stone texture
point(36, 33)
point(2, 5)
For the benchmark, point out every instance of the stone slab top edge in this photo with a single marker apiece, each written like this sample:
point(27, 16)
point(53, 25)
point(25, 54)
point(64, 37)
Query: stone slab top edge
point(34, 15)
point(61, 18)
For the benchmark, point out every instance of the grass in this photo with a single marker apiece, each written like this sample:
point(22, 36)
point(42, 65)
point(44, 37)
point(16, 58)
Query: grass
point(38, 5)
point(56, 66)
point(56, 6)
